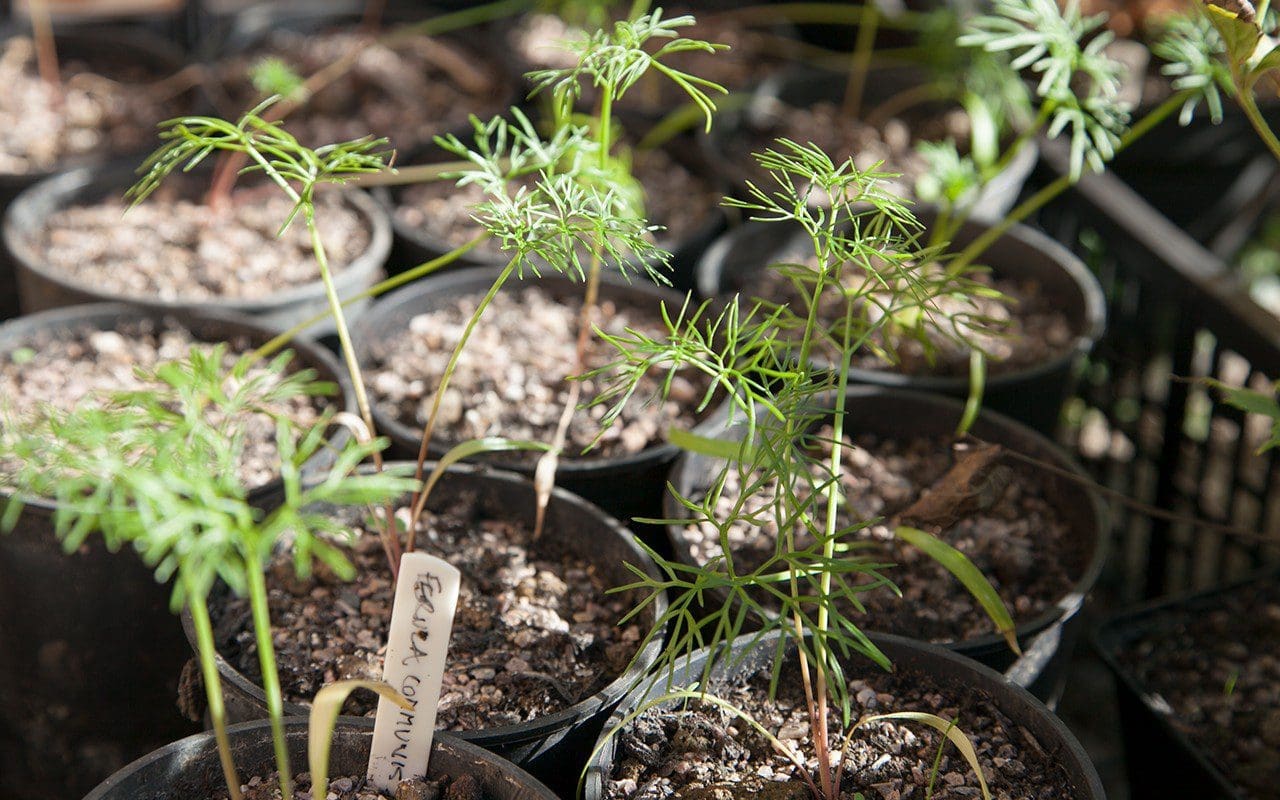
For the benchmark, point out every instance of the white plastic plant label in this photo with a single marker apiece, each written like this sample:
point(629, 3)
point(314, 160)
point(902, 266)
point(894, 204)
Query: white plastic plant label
point(421, 620)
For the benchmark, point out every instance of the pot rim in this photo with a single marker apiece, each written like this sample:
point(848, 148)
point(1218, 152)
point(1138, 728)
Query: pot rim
point(1062, 609)
point(204, 740)
point(107, 315)
point(1108, 637)
point(64, 186)
point(538, 727)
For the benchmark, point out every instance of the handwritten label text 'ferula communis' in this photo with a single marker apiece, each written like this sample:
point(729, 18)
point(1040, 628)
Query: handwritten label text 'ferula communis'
point(426, 597)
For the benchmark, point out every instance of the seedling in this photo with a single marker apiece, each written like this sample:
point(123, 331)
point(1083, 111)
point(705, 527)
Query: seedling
point(156, 470)
point(272, 151)
point(584, 211)
point(866, 245)
point(612, 62)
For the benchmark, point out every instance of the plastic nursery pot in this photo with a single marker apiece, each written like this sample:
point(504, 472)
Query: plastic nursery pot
point(105, 46)
point(944, 669)
point(41, 288)
point(626, 486)
point(1165, 754)
point(413, 244)
point(90, 662)
point(740, 132)
point(544, 745)
point(360, 102)
point(190, 768)
point(1033, 394)
point(92, 653)
point(1048, 638)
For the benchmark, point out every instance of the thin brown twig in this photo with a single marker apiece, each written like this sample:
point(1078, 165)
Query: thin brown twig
point(1137, 505)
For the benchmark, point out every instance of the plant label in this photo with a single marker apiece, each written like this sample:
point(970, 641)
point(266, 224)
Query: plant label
point(421, 619)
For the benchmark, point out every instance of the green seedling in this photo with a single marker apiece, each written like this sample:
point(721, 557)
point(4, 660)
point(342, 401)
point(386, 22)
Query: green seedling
point(296, 170)
point(586, 210)
point(866, 245)
point(157, 470)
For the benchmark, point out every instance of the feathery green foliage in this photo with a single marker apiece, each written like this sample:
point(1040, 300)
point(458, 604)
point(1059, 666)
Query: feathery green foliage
point(1194, 56)
point(781, 476)
point(158, 470)
point(614, 60)
point(1078, 84)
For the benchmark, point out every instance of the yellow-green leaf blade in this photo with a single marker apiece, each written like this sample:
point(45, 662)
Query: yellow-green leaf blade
point(959, 565)
point(324, 716)
point(945, 727)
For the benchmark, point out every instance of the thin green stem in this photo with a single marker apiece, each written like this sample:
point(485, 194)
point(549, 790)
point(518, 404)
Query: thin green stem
point(977, 386)
point(606, 120)
point(1041, 198)
point(340, 323)
point(270, 677)
point(861, 62)
point(390, 543)
point(418, 173)
point(207, 654)
point(1251, 111)
point(394, 282)
point(420, 498)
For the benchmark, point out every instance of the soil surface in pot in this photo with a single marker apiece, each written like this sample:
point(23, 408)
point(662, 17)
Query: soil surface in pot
point(701, 752)
point(1218, 669)
point(1002, 521)
point(534, 631)
point(174, 248)
point(356, 787)
point(676, 199)
point(510, 380)
point(407, 92)
point(111, 107)
point(59, 369)
point(1026, 329)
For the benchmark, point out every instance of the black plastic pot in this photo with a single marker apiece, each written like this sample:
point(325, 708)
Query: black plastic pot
point(39, 288)
point(947, 669)
point(624, 486)
point(546, 744)
point(1032, 395)
point(1049, 638)
point(190, 768)
point(105, 45)
point(89, 665)
point(1161, 758)
point(91, 652)
point(726, 146)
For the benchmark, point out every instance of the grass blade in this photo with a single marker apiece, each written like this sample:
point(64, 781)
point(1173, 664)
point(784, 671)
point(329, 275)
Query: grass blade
point(960, 566)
